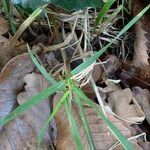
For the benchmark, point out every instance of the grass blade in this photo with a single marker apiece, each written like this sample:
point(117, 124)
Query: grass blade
point(41, 68)
point(133, 21)
point(9, 14)
point(73, 125)
point(33, 101)
point(90, 60)
point(57, 107)
point(84, 122)
point(125, 143)
point(104, 10)
point(27, 23)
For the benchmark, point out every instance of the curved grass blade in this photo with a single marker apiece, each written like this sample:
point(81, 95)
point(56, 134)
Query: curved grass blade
point(33, 101)
point(104, 10)
point(41, 68)
point(27, 23)
point(84, 122)
point(57, 107)
point(125, 143)
point(73, 125)
point(90, 60)
point(133, 21)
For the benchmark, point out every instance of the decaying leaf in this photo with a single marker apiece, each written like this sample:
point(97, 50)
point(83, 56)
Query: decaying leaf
point(111, 65)
point(37, 115)
point(7, 51)
point(3, 26)
point(125, 106)
point(18, 135)
point(144, 145)
point(25, 128)
point(3, 45)
point(142, 96)
point(11, 82)
point(142, 40)
point(101, 136)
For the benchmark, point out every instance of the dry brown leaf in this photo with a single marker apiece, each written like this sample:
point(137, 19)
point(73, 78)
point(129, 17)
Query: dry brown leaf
point(3, 26)
point(11, 81)
point(142, 40)
point(124, 105)
point(145, 145)
point(111, 65)
point(3, 45)
point(142, 96)
point(102, 138)
point(18, 135)
point(38, 114)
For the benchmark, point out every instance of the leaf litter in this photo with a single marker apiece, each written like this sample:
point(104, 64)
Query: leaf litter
point(122, 84)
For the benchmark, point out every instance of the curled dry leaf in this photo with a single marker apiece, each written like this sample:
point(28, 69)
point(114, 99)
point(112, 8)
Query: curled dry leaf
point(142, 40)
point(3, 26)
point(142, 96)
point(38, 114)
point(125, 106)
point(101, 136)
point(11, 81)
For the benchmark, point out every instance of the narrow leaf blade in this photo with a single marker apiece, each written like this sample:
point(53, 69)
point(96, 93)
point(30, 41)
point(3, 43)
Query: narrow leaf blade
point(33, 101)
point(84, 121)
point(41, 68)
point(127, 145)
point(90, 60)
point(73, 125)
point(57, 107)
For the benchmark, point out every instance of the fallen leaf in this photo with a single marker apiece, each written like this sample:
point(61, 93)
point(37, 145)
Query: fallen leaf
point(129, 79)
point(11, 82)
point(142, 96)
point(136, 130)
point(38, 114)
point(3, 45)
point(142, 39)
point(144, 145)
point(18, 135)
point(125, 106)
point(111, 65)
point(101, 135)
point(3, 26)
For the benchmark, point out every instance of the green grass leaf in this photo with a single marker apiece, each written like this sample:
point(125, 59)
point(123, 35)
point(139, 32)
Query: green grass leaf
point(68, 5)
point(84, 121)
point(41, 68)
point(125, 143)
point(103, 12)
point(9, 14)
point(33, 101)
point(57, 107)
point(73, 125)
point(90, 60)
point(133, 21)
point(78, 4)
